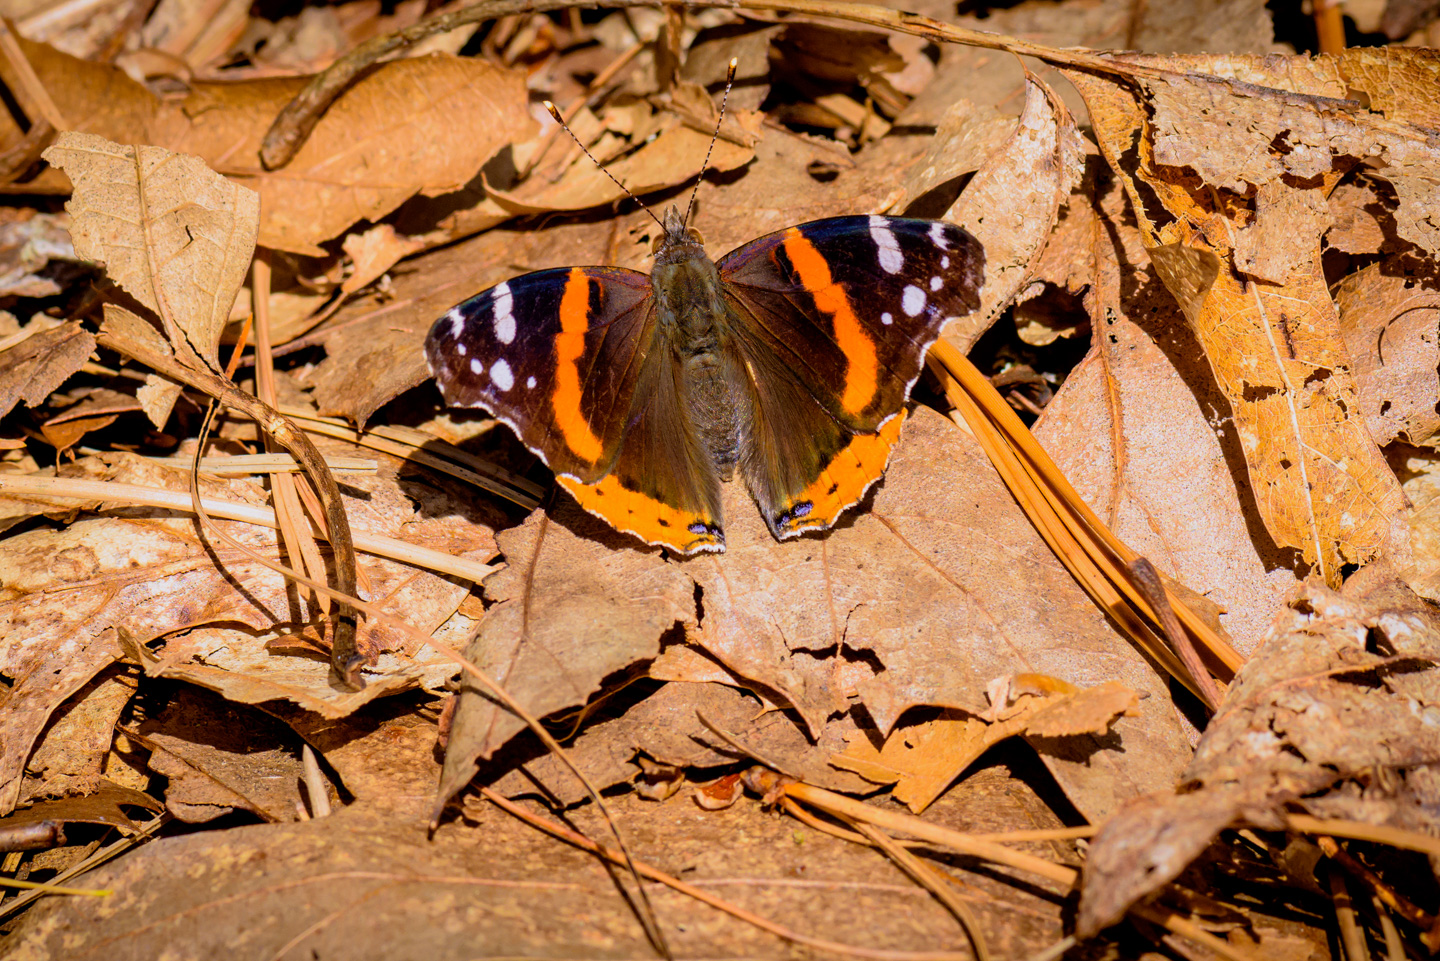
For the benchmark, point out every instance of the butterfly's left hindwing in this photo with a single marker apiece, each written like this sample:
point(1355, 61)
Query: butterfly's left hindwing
point(556, 354)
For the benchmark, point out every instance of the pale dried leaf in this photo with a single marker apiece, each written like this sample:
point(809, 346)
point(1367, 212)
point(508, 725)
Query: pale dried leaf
point(172, 233)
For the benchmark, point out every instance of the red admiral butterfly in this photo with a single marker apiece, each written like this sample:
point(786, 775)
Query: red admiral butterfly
point(790, 359)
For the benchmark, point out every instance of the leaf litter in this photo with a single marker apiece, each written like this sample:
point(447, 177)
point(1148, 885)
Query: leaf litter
point(1250, 250)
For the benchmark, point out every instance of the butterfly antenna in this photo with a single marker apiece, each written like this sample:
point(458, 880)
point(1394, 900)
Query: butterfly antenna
point(724, 99)
point(561, 121)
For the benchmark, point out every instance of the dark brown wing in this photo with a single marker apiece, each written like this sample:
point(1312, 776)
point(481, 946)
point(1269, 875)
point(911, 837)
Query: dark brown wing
point(829, 323)
point(851, 304)
point(556, 355)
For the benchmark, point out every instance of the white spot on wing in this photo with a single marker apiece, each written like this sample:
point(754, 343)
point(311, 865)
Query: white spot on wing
point(501, 375)
point(891, 260)
point(476, 366)
point(912, 301)
point(457, 322)
point(460, 347)
point(936, 283)
point(504, 314)
point(937, 235)
point(945, 262)
point(530, 382)
point(887, 319)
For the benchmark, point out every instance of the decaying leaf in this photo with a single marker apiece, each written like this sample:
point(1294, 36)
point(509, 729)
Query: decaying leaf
point(408, 126)
point(1268, 140)
point(1138, 428)
point(1391, 315)
point(1334, 714)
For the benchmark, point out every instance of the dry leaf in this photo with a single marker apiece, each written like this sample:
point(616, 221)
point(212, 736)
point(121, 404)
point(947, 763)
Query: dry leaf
point(1138, 428)
point(1268, 326)
point(219, 758)
point(69, 757)
point(34, 368)
point(575, 604)
point(922, 760)
point(1330, 716)
point(1012, 203)
point(1391, 317)
point(172, 233)
point(940, 580)
point(408, 126)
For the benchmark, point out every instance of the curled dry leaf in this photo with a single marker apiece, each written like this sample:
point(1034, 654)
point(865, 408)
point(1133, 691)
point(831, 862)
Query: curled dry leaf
point(1268, 139)
point(1334, 714)
point(1012, 203)
point(407, 127)
point(921, 760)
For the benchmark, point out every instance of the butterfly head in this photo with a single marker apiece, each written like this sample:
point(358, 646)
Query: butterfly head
point(678, 242)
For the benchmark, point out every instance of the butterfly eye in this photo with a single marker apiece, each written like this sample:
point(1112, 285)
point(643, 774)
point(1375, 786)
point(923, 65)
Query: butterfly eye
point(695, 235)
point(656, 244)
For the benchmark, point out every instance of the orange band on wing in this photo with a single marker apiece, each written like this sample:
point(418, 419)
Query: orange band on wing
point(569, 347)
point(858, 346)
point(650, 520)
point(844, 480)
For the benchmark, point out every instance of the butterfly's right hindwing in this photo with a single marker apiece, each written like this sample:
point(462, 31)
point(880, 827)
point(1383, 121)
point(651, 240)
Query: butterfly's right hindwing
point(556, 355)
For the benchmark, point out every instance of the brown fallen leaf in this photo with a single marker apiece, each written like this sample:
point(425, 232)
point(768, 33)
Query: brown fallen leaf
point(69, 757)
point(1013, 201)
point(147, 576)
point(672, 158)
point(1137, 428)
point(220, 757)
point(1268, 326)
point(942, 528)
point(666, 728)
point(173, 234)
point(1330, 716)
point(101, 806)
point(409, 126)
point(922, 760)
point(575, 604)
point(33, 368)
point(169, 231)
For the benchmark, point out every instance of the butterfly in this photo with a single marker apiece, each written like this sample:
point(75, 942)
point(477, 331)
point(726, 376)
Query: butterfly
point(789, 360)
